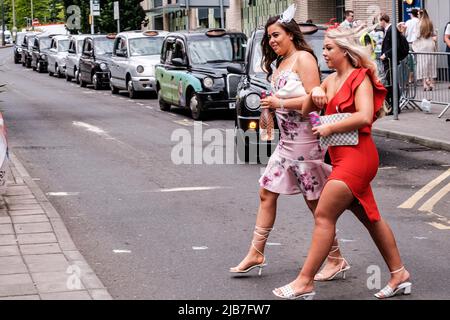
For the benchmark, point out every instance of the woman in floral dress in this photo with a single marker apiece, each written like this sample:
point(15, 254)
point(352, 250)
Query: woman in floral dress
point(296, 166)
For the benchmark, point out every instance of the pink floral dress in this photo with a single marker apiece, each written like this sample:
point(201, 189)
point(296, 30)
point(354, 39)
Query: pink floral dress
point(296, 166)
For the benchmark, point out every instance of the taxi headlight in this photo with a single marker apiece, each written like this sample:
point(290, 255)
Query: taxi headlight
point(208, 82)
point(252, 101)
point(19, 49)
point(103, 66)
point(43, 56)
point(140, 69)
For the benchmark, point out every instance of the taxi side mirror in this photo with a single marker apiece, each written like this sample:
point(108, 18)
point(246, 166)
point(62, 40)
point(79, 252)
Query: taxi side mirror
point(178, 62)
point(236, 70)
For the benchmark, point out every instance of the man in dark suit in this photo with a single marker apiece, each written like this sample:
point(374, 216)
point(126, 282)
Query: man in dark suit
point(386, 57)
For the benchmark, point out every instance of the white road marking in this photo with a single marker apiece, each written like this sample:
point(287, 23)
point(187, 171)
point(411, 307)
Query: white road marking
point(420, 238)
point(200, 248)
point(428, 206)
point(122, 251)
point(192, 189)
point(184, 122)
point(140, 104)
point(346, 240)
point(90, 128)
point(387, 168)
point(273, 244)
point(408, 204)
point(439, 226)
point(62, 194)
point(148, 107)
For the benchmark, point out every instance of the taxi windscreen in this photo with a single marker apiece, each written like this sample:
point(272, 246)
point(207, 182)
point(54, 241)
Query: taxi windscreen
point(147, 46)
point(103, 45)
point(44, 43)
point(216, 49)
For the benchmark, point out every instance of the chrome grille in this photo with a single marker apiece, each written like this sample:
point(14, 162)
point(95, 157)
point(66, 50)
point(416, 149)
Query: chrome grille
point(232, 85)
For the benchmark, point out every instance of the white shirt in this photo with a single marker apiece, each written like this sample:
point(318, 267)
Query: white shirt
point(346, 24)
point(447, 30)
point(411, 29)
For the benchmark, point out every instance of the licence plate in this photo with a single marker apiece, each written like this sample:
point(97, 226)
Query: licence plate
point(232, 105)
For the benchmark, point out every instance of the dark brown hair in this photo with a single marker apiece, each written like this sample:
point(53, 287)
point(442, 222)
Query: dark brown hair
point(385, 17)
point(269, 55)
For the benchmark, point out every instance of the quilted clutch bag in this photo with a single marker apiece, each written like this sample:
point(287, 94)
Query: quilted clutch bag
point(338, 139)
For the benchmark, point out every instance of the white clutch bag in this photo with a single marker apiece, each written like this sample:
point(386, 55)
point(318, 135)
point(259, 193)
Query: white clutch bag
point(291, 90)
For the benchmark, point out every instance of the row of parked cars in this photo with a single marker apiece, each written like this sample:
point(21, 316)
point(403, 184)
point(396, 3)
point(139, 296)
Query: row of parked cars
point(200, 71)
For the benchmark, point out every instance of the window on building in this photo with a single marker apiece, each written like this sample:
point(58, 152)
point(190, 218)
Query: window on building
point(340, 8)
point(203, 17)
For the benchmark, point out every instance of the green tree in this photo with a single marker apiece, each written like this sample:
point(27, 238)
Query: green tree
point(47, 11)
point(131, 15)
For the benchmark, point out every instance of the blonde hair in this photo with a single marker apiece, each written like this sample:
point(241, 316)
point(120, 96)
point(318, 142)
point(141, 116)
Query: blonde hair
point(358, 55)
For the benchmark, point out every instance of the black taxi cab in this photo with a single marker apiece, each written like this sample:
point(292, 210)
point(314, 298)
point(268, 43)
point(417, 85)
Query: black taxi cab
point(95, 59)
point(254, 80)
point(193, 70)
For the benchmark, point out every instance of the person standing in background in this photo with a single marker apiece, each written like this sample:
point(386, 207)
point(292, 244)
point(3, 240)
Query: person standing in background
point(447, 48)
point(349, 17)
point(412, 26)
point(426, 43)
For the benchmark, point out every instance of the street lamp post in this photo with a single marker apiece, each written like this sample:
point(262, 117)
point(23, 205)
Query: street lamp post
point(395, 92)
point(14, 29)
point(32, 15)
point(3, 22)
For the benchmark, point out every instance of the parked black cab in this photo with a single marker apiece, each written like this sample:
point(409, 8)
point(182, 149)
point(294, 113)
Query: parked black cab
point(27, 49)
point(254, 80)
point(40, 51)
point(193, 71)
point(94, 60)
point(18, 46)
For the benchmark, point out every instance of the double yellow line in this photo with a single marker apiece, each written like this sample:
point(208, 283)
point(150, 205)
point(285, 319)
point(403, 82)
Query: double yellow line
point(430, 203)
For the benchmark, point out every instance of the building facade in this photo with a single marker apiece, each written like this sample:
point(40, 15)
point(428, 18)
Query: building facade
point(246, 15)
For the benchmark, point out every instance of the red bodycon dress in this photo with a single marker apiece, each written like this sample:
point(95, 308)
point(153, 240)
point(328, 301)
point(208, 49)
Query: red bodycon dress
point(357, 165)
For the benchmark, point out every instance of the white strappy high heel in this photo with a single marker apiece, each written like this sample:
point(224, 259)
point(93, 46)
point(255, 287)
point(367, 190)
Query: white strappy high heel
point(387, 292)
point(261, 235)
point(287, 292)
point(344, 267)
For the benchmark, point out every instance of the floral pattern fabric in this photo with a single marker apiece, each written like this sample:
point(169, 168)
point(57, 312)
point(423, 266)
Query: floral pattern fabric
point(296, 166)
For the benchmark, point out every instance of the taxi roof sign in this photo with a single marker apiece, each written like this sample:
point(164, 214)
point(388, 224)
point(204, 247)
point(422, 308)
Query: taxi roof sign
point(150, 33)
point(216, 32)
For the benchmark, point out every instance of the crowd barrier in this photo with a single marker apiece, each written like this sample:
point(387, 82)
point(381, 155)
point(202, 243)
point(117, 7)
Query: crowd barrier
point(423, 79)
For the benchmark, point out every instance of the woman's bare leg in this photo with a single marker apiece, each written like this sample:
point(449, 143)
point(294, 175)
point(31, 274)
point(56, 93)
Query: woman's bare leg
point(384, 239)
point(264, 223)
point(336, 198)
point(335, 261)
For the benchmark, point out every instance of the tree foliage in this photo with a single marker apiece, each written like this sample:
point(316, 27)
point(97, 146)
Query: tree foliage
point(47, 11)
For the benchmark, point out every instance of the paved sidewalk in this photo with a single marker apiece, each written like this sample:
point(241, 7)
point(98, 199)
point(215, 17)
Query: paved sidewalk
point(38, 259)
point(417, 127)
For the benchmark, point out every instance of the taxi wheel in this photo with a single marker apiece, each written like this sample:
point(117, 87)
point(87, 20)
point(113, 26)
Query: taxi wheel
point(68, 78)
point(196, 107)
point(114, 90)
point(95, 82)
point(162, 104)
point(77, 77)
point(132, 94)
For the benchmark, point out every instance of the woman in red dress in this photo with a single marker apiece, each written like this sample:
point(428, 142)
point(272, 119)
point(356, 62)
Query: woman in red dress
point(353, 88)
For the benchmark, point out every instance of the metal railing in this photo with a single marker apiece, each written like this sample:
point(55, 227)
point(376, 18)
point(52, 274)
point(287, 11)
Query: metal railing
point(422, 76)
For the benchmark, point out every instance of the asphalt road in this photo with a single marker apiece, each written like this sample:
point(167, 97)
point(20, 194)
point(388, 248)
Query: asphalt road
point(152, 229)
